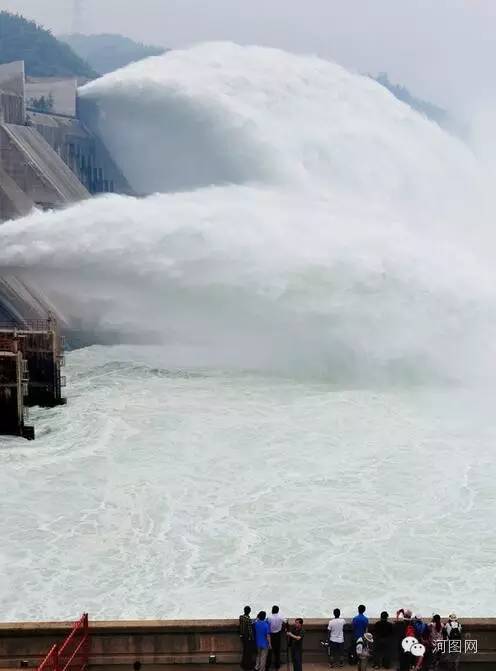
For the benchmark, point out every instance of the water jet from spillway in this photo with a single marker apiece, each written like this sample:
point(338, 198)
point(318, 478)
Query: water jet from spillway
point(307, 221)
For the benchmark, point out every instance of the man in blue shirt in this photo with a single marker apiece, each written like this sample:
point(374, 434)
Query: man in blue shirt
point(359, 623)
point(262, 640)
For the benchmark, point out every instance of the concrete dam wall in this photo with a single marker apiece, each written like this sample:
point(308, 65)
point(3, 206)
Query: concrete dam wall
point(162, 644)
point(19, 302)
point(37, 169)
point(47, 160)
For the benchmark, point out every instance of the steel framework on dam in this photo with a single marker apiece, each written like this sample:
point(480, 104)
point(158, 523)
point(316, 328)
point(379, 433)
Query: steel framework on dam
point(31, 358)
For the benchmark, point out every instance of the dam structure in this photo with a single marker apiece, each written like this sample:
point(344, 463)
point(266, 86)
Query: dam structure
point(13, 387)
point(48, 159)
point(31, 360)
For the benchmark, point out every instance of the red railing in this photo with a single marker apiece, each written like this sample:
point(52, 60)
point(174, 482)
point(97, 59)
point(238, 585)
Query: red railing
point(73, 653)
point(50, 663)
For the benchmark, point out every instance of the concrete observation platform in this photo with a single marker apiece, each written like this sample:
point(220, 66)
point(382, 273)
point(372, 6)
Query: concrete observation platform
point(161, 645)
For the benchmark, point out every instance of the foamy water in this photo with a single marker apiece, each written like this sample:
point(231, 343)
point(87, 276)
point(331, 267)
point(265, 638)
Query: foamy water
point(314, 426)
point(169, 493)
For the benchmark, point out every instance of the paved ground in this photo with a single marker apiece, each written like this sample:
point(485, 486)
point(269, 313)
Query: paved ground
point(325, 667)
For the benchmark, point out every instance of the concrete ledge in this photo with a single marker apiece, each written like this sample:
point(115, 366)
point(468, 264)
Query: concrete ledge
point(145, 626)
point(163, 643)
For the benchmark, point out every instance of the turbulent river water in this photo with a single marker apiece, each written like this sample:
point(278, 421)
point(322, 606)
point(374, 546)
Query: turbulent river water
point(312, 425)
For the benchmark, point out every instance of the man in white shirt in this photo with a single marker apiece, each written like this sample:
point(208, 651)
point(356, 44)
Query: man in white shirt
point(336, 638)
point(276, 623)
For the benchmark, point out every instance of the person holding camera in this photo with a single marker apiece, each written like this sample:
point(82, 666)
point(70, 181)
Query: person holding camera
point(295, 643)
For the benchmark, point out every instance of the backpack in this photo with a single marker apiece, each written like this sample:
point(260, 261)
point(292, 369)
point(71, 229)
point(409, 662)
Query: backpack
point(455, 634)
point(362, 649)
point(420, 628)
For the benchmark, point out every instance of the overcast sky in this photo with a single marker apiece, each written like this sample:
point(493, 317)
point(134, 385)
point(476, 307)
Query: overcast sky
point(443, 50)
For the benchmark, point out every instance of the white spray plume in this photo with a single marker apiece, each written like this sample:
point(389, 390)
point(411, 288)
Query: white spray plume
point(303, 219)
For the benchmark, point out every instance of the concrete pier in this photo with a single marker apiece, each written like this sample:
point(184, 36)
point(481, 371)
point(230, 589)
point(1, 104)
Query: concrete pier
point(13, 388)
point(162, 644)
point(31, 357)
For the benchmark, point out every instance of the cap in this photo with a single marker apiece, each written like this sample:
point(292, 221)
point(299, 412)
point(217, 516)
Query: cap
point(452, 616)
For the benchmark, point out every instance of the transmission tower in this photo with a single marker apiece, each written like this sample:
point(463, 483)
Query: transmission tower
point(77, 16)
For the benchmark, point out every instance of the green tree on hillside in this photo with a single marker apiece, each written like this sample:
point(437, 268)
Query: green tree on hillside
point(43, 54)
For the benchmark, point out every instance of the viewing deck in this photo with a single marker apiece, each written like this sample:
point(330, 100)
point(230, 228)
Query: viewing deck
point(162, 644)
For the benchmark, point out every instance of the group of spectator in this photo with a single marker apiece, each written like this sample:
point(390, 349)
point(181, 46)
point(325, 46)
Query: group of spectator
point(415, 644)
point(261, 640)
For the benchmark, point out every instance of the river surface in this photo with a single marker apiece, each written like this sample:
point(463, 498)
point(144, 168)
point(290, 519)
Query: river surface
point(186, 493)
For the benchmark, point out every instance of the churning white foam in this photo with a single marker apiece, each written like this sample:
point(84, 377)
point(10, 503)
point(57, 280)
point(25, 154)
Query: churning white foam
point(306, 219)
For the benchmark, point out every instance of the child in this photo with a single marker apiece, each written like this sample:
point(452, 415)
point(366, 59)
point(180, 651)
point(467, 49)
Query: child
point(364, 651)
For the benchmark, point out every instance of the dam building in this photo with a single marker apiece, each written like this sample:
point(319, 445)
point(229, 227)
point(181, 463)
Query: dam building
point(48, 156)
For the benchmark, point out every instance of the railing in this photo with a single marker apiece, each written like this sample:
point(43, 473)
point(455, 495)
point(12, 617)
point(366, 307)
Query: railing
point(73, 653)
point(50, 663)
point(28, 325)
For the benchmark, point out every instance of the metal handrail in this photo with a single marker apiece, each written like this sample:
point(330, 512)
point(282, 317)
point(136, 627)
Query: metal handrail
point(51, 660)
point(80, 626)
point(54, 659)
point(29, 325)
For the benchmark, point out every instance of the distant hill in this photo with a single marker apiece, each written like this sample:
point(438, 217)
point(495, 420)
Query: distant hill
point(431, 111)
point(106, 53)
point(43, 54)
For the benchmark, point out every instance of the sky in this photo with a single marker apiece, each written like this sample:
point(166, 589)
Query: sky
point(442, 50)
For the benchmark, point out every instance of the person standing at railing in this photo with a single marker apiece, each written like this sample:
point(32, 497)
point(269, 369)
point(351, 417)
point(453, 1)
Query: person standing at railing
point(247, 636)
point(383, 641)
point(359, 625)
point(452, 632)
point(262, 640)
point(295, 643)
point(276, 623)
point(336, 639)
point(436, 627)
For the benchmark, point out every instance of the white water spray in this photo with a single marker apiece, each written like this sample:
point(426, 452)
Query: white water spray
point(306, 220)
